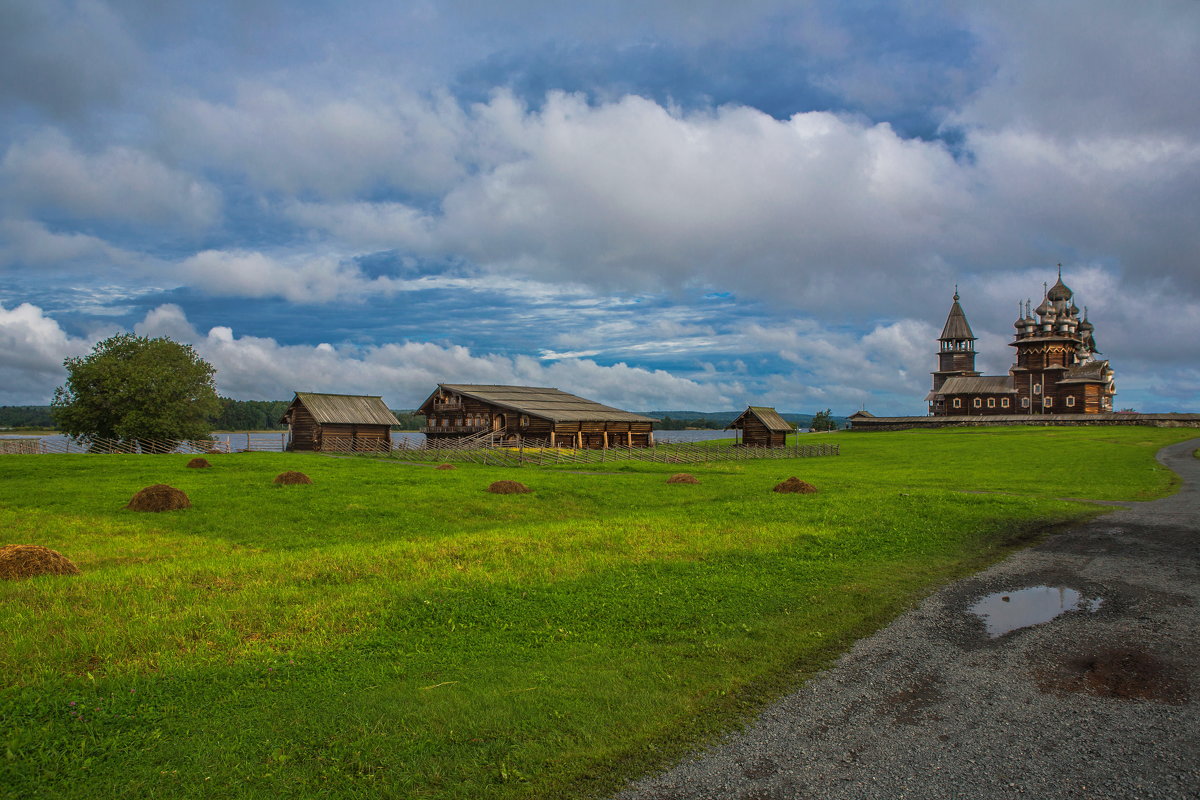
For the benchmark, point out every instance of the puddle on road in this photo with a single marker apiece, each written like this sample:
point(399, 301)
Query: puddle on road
point(1008, 611)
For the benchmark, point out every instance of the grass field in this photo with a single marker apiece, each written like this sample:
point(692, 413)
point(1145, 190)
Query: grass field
point(396, 631)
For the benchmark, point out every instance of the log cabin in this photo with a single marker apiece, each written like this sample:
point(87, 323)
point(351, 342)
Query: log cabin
point(520, 414)
point(330, 422)
point(762, 427)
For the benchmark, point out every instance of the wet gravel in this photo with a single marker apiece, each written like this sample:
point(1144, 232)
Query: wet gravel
point(1099, 702)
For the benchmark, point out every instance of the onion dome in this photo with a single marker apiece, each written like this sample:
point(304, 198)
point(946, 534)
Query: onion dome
point(1059, 291)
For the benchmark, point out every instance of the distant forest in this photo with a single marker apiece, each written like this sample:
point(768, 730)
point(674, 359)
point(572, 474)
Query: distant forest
point(263, 415)
point(236, 415)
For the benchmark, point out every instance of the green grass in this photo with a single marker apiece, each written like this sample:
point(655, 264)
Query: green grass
point(392, 630)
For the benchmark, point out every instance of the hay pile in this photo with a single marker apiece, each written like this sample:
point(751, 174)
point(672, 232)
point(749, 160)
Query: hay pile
point(292, 478)
point(794, 485)
point(159, 497)
point(508, 487)
point(682, 477)
point(27, 560)
point(198, 463)
point(445, 466)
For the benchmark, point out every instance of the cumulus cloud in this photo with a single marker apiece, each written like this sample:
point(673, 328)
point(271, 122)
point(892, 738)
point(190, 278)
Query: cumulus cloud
point(118, 184)
point(376, 138)
point(32, 349)
point(250, 367)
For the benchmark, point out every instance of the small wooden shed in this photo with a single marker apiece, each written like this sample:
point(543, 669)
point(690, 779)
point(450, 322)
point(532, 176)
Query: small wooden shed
point(762, 427)
point(338, 422)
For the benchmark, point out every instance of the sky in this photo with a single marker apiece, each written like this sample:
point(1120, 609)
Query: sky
point(684, 204)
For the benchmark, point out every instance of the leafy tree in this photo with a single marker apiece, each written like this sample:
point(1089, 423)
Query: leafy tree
point(134, 388)
point(824, 421)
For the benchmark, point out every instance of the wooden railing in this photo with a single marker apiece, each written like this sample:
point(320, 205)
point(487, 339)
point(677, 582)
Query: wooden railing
point(101, 445)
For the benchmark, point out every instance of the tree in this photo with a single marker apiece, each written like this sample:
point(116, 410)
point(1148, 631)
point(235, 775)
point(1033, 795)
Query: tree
point(824, 421)
point(134, 388)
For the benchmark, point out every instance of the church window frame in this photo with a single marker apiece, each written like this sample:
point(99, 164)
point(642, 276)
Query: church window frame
point(1024, 402)
point(991, 402)
point(1004, 402)
point(978, 402)
point(1047, 401)
point(957, 402)
point(1037, 388)
point(1070, 401)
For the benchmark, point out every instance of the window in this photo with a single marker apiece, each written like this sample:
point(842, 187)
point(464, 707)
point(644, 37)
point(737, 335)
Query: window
point(958, 402)
point(524, 421)
point(978, 403)
point(1071, 401)
point(1004, 402)
point(991, 402)
point(1037, 388)
point(1024, 402)
point(1048, 401)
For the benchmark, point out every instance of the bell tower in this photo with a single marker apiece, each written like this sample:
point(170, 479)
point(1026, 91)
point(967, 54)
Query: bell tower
point(956, 356)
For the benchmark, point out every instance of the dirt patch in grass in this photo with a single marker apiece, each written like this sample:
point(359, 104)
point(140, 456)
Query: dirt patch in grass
point(198, 463)
point(27, 560)
point(508, 487)
point(159, 497)
point(445, 466)
point(1125, 673)
point(682, 477)
point(794, 485)
point(292, 478)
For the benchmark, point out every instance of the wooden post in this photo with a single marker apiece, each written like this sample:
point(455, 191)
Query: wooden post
point(606, 438)
point(552, 438)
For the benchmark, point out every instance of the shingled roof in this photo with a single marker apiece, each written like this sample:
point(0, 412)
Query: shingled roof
point(345, 409)
point(979, 384)
point(957, 326)
point(767, 416)
point(550, 404)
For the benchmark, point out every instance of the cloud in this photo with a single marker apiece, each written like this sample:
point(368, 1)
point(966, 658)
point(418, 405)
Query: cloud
point(250, 367)
point(119, 184)
point(32, 350)
point(64, 58)
point(375, 138)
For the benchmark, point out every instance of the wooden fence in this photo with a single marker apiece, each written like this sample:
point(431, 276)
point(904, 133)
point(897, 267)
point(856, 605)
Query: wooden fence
point(65, 444)
point(528, 453)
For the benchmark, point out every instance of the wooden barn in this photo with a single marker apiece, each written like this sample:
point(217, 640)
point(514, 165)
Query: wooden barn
point(332, 422)
point(762, 427)
point(522, 413)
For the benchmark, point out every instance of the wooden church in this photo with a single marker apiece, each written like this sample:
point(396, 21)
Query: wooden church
point(1056, 370)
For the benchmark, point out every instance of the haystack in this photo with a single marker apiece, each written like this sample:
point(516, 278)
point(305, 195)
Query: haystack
point(445, 466)
point(682, 477)
point(508, 487)
point(292, 478)
point(794, 485)
point(27, 560)
point(159, 497)
point(198, 463)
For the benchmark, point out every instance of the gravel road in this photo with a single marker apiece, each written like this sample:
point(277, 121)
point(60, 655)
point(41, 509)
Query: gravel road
point(1102, 701)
